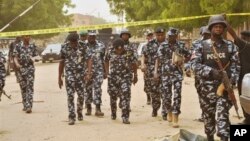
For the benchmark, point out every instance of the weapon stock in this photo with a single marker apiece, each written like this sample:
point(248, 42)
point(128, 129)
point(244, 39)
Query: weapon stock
point(3, 92)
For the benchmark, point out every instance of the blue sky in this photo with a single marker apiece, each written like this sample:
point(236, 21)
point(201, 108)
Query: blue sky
point(98, 8)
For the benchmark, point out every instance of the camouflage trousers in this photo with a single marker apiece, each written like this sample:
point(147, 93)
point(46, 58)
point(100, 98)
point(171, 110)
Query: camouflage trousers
point(198, 90)
point(72, 87)
point(26, 82)
point(167, 83)
point(94, 90)
point(146, 86)
point(2, 83)
point(212, 104)
point(153, 90)
point(120, 87)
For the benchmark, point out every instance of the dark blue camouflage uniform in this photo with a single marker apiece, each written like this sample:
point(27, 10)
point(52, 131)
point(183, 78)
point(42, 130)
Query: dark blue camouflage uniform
point(26, 72)
point(119, 80)
point(74, 60)
point(151, 87)
point(170, 76)
point(2, 71)
point(202, 63)
point(93, 86)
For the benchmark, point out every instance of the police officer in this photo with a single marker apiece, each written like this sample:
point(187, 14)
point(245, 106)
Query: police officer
point(149, 53)
point(171, 74)
point(121, 64)
point(149, 37)
point(244, 49)
point(2, 72)
point(131, 49)
point(206, 67)
point(73, 59)
point(205, 34)
point(93, 87)
point(24, 54)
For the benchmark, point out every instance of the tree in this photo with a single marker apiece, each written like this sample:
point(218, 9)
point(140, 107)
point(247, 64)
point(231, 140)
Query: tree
point(139, 10)
point(46, 14)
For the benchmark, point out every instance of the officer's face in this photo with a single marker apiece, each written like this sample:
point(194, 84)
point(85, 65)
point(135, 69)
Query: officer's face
point(172, 38)
point(91, 38)
point(160, 37)
point(83, 37)
point(119, 50)
point(73, 44)
point(218, 29)
point(26, 38)
point(149, 37)
point(125, 37)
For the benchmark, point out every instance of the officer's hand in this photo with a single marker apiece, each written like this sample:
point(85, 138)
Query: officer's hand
point(60, 82)
point(216, 74)
point(143, 68)
point(18, 66)
point(88, 77)
point(135, 79)
point(156, 77)
point(105, 75)
point(188, 73)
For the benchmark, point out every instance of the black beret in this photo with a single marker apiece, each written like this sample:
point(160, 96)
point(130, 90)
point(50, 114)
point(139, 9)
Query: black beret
point(73, 37)
point(245, 33)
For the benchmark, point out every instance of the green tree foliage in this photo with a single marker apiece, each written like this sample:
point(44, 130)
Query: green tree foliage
point(46, 14)
point(138, 10)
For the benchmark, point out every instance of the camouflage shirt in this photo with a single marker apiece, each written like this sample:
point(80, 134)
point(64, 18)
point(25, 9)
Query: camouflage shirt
point(25, 54)
point(120, 64)
point(203, 70)
point(165, 53)
point(74, 60)
point(150, 53)
point(97, 52)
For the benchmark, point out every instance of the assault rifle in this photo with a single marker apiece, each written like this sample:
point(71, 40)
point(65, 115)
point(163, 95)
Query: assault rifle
point(3, 92)
point(226, 83)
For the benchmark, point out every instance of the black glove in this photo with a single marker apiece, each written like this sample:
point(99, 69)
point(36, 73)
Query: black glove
point(216, 74)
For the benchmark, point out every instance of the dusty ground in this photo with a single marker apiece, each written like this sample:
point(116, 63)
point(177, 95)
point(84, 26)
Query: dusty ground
point(49, 118)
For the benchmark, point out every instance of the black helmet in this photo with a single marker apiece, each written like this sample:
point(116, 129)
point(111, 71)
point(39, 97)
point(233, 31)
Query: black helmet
point(125, 31)
point(216, 19)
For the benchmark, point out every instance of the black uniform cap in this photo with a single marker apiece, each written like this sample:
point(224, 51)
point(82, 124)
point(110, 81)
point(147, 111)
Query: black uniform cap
point(245, 33)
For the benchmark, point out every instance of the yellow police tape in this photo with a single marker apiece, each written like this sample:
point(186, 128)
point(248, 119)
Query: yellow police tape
point(102, 26)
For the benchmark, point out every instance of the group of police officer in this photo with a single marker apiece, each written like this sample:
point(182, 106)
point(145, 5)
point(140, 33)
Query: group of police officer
point(86, 62)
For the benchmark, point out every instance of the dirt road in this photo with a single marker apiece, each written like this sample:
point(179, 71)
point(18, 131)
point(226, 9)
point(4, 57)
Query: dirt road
point(48, 122)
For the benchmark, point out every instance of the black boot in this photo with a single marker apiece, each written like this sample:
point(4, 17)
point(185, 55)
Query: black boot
point(125, 121)
point(89, 109)
point(210, 137)
point(80, 116)
point(164, 117)
point(98, 111)
point(224, 138)
point(113, 115)
point(148, 100)
point(154, 113)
